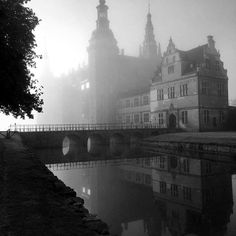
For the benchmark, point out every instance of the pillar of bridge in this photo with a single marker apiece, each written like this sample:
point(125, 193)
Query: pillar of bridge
point(117, 144)
point(135, 142)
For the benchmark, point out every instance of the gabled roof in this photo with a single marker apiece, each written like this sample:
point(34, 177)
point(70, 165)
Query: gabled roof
point(195, 55)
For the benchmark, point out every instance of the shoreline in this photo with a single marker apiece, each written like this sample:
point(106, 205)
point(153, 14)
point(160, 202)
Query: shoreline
point(35, 202)
point(223, 143)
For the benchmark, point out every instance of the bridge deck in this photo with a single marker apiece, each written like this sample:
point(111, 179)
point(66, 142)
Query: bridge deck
point(79, 127)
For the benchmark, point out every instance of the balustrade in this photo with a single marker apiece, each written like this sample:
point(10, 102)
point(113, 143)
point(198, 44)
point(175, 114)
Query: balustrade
point(79, 127)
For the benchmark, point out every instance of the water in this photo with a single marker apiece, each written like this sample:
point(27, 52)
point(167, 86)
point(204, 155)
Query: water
point(161, 195)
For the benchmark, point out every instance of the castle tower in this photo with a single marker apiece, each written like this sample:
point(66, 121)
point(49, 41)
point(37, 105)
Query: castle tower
point(102, 53)
point(102, 42)
point(150, 44)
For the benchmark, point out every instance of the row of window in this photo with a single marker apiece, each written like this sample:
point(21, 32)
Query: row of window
point(135, 102)
point(207, 87)
point(139, 177)
point(85, 85)
point(160, 118)
point(185, 164)
point(184, 117)
point(212, 65)
point(174, 190)
point(171, 92)
point(134, 118)
point(208, 64)
point(206, 117)
point(167, 59)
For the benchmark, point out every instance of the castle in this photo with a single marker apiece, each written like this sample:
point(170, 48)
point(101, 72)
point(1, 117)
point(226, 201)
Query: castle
point(179, 89)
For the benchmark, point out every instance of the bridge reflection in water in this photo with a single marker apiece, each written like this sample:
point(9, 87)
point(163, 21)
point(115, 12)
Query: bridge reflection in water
point(162, 194)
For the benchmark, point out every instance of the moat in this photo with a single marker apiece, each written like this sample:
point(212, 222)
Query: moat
point(161, 194)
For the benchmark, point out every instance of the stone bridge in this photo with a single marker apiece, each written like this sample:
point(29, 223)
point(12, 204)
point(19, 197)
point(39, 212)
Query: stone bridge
point(86, 138)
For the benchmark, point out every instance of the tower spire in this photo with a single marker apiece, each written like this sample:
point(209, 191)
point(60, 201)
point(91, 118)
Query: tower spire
point(102, 40)
point(102, 17)
point(149, 7)
point(149, 44)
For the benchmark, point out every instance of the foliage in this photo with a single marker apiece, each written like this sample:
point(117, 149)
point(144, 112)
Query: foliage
point(19, 93)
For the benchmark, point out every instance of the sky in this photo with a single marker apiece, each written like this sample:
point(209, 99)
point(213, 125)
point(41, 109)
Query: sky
point(66, 26)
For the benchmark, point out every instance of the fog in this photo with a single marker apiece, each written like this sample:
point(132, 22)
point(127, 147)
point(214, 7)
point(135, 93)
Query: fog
point(66, 27)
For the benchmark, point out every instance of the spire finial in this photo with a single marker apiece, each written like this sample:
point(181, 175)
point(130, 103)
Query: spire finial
point(149, 7)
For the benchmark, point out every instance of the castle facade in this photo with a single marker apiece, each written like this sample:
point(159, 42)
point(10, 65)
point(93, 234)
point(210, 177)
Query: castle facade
point(179, 89)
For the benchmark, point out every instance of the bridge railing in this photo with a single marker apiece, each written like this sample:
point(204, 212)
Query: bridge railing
point(77, 127)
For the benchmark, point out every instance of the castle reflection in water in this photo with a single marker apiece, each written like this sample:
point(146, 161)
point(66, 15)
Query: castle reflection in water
point(162, 195)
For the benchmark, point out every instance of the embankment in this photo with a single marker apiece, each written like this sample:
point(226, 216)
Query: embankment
point(223, 143)
point(35, 202)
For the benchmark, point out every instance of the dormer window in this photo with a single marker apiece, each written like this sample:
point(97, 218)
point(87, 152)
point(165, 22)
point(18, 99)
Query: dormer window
point(171, 69)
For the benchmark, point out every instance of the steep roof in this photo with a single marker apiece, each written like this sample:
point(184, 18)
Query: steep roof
point(195, 55)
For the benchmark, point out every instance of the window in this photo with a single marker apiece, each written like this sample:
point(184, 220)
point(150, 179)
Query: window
point(208, 64)
point(174, 190)
point(173, 58)
point(206, 117)
point(136, 118)
point(160, 94)
point(89, 192)
point(162, 187)
point(187, 193)
point(220, 89)
point(160, 119)
point(221, 117)
point(145, 100)
point(217, 66)
point(183, 90)
point(184, 116)
point(208, 167)
point(87, 85)
point(127, 103)
point(147, 162)
point(186, 165)
point(136, 102)
point(171, 92)
point(162, 162)
point(146, 117)
point(205, 87)
point(127, 119)
point(82, 86)
point(171, 69)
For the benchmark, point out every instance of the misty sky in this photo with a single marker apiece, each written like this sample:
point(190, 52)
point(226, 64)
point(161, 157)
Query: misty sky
point(67, 25)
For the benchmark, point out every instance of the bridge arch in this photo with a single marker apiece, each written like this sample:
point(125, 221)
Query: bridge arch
point(95, 143)
point(72, 145)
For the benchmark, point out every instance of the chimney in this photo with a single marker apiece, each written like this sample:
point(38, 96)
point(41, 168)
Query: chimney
point(211, 42)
